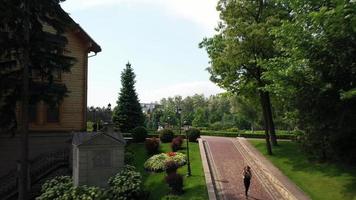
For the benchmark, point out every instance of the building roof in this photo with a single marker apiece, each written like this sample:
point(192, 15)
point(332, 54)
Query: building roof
point(93, 46)
point(84, 137)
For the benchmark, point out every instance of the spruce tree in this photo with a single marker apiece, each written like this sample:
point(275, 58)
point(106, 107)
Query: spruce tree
point(46, 55)
point(128, 112)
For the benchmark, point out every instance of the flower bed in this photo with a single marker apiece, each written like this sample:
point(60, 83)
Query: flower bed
point(157, 163)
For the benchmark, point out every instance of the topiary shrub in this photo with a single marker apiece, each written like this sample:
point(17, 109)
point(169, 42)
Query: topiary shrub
point(171, 167)
point(127, 184)
point(175, 182)
point(139, 134)
point(166, 135)
point(157, 163)
point(177, 143)
point(193, 134)
point(152, 145)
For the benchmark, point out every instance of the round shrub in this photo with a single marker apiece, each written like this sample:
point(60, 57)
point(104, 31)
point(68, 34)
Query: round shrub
point(139, 134)
point(152, 145)
point(177, 143)
point(166, 135)
point(157, 163)
point(193, 134)
point(127, 184)
point(175, 182)
point(171, 167)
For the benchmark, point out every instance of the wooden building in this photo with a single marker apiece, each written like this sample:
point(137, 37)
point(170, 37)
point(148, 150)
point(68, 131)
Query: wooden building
point(70, 115)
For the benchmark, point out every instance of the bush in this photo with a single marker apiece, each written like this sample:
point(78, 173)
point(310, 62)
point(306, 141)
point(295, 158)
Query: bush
point(170, 197)
point(177, 143)
point(152, 145)
point(157, 163)
point(129, 157)
point(232, 130)
point(166, 135)
point(193, 134)
point(171, 167)
point(175, 182)
point(139, 134)
point(127, 184)
point(62, 187)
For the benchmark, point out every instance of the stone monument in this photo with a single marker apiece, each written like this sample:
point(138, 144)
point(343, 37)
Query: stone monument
point(97, 156)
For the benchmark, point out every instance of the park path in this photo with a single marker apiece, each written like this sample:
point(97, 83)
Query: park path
point(226, 158)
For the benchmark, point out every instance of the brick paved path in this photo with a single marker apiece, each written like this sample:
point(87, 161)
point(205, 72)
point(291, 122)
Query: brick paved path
point(228, 156)
point(228, 163)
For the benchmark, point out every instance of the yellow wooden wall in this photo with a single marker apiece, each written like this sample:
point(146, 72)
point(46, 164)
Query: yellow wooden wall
point(73, 108)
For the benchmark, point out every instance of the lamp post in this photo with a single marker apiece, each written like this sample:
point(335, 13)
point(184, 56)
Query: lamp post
point(109, 112)
point(187, 139)
point(179, 113)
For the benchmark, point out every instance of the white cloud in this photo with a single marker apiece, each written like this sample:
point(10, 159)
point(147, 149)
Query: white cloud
point(201, 12)
point(183, 89)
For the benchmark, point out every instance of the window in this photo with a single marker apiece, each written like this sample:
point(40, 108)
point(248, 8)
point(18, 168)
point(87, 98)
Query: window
point(32, 112)
point(52, 114)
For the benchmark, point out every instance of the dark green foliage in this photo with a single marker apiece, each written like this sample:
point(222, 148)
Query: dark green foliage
point(128, 113)
point(139, 134)
point(152, 145)
point(129, 157)
point(175, 182)
point(170, 197)
point(46, 58)
point(127, 184)
point(177, 143)
point(193, 134)
point(166, 135)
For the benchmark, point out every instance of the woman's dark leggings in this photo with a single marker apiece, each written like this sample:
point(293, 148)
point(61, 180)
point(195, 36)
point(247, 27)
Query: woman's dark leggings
point(247, 185)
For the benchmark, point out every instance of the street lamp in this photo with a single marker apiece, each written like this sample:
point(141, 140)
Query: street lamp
point(179, 113)
point(93, 109)
point(109, 112)
point(187, 139)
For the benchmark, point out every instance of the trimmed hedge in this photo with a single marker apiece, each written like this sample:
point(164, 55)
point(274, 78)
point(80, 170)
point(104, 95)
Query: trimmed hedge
point(281, 134)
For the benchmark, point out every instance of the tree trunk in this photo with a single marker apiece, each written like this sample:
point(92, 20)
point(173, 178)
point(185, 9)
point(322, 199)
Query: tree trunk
point(23, 165)
point(266, 124)
point(272, 130)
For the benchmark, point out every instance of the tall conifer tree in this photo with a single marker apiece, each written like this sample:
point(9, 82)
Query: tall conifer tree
point(128, 112)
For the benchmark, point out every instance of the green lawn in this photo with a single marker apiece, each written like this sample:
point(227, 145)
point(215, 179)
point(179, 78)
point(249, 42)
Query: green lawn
point(194, 186)
point(321, 181)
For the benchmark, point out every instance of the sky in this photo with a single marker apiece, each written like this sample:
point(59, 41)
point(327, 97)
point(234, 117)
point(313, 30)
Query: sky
point(159, 38)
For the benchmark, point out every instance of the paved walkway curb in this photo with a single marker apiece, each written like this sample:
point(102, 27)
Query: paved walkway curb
point(207, 171)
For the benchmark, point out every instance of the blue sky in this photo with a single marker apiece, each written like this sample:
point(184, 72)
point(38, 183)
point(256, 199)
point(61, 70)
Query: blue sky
point(158, 37)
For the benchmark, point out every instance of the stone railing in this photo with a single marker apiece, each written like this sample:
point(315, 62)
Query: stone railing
point(39, 168)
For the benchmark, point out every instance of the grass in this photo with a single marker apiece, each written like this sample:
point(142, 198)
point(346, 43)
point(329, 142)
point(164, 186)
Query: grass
point(194, 186)
point(321, 181)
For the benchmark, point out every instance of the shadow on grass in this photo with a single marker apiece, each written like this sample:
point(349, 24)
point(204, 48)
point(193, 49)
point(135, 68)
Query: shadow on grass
point(291, 155)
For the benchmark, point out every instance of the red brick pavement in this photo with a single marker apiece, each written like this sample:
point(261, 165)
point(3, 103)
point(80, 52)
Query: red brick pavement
point(228, 164)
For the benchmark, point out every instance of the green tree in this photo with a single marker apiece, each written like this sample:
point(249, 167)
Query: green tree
point(47, 55)
point(315, 74)
point(128, 114)
point(242, 40)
